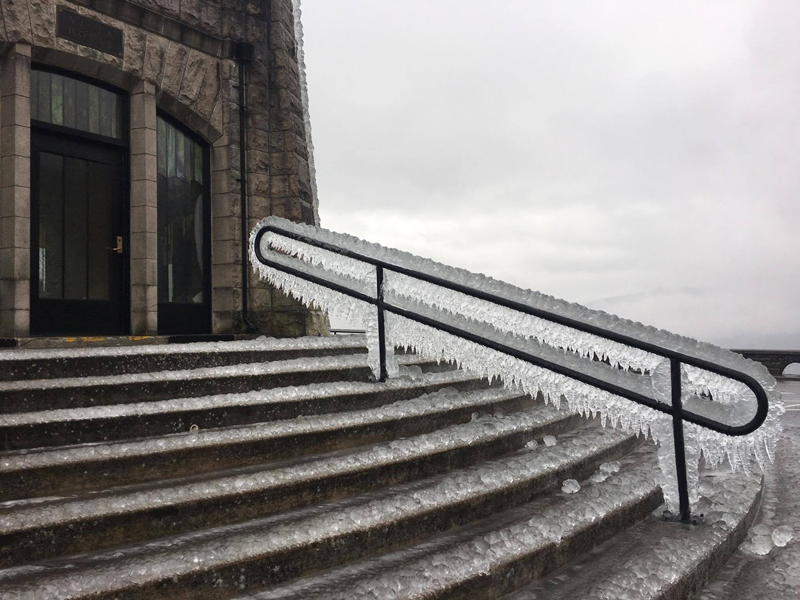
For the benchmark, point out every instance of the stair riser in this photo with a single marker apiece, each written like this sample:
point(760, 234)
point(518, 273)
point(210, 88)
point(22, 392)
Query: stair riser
point(233, 579)
point(91, 366)
point(110, 531)
point(515, 574)
point(65, 479)
point(139, 426)
point(12, 401)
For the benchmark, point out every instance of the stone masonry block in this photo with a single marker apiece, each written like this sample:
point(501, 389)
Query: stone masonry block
point(144, 298)
point(14, 295)
point(144, 166)
point(143, 111)
point(15, 201)
point(154, 59)
point(225, 252)
point(279, 186)
point(15, 140)
point(144, 272)
point(133, 56)
point(15, 264)
point(15, 232)
point(144, 219)
point(226, 228)
point(221, 205)
point(193, 76)
point(143, 245)
point(17, 21)
point(16, 110)
point(16, 171)
point(14, 323)
point(144, 141)
point(144, 193)
point(175, 63)
point(15, 75)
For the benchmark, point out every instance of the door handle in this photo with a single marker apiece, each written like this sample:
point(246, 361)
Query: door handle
point(118, 247)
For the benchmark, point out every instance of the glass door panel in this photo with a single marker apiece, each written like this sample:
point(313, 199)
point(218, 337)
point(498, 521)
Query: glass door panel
point(77, 211)
point(183, 273)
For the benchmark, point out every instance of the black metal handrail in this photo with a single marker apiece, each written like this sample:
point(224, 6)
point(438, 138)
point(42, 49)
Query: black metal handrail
point(675, 410)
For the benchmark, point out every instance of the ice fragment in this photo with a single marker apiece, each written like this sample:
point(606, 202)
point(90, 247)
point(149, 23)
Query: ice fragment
point(782, 535)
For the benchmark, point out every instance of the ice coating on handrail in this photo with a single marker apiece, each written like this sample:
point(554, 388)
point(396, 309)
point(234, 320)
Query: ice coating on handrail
point(704, 392)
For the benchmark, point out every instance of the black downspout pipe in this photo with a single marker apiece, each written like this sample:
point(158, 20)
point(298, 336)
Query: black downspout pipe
point(243, 54)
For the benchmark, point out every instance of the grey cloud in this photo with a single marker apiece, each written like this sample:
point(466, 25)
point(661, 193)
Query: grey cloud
point(585, 149)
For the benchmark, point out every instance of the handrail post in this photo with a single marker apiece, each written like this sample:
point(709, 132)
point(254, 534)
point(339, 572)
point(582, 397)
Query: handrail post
point(381, 325)
point(680, 447)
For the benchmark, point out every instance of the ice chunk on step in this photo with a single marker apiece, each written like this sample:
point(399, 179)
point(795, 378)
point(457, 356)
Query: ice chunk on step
point(570, 486)
point(782, 535)
point(759, 540)
point(532, 445)
point(759, 545)
point(599, 476)
point(549, 440)
point(761, 530)
point(610, 467)
point(411, 372)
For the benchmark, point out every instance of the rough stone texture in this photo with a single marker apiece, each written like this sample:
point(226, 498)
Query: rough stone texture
point(182, 51)
point(15, 196)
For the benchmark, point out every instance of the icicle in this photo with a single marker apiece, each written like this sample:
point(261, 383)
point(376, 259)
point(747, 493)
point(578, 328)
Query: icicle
point(702, 392)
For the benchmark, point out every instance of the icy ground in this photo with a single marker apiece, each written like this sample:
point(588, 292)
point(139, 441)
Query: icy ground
point(775, 575)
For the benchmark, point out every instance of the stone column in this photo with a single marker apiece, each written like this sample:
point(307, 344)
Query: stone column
point(226, 279)
point(15, 191)
point(144, 212)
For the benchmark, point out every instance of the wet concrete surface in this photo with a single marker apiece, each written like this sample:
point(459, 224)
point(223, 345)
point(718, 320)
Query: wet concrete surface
point(776, 575)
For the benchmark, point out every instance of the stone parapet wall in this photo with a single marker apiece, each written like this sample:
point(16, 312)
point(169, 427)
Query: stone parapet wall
point(179, 57)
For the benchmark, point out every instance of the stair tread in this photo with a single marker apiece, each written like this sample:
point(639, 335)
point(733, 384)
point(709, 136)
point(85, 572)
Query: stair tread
point(266, 396)
point(477, 548)
point(16, 516)
point(265, 344)
point(203, 550)
point(18, 460)
point(317, 363)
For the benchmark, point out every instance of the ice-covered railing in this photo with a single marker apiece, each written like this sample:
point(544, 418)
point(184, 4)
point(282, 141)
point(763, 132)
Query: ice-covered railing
point(692, 398)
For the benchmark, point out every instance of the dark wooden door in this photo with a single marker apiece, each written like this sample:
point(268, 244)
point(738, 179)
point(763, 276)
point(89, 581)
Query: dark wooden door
point(78, 237)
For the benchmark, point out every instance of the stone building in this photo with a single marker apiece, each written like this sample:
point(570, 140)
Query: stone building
point(136, 134)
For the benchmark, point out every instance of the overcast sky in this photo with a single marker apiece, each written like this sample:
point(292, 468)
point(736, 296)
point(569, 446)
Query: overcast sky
point(638, 156)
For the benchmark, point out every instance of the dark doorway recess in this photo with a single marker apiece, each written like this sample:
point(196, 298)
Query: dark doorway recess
point(184, 233)
point(79, 236)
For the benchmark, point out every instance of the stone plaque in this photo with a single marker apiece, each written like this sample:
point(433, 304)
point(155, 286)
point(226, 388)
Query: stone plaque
point(88, 32)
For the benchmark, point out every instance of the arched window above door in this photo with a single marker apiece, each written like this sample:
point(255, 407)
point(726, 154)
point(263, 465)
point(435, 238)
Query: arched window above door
point(70, 102)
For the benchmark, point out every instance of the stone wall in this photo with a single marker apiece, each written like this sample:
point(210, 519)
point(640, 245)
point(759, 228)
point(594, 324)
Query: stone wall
point(179, 57)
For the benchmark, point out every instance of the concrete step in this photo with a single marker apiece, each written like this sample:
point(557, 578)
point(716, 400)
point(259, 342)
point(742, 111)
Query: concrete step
point(657, 558)
point(485, 558)
point(129, 514)
point(226, 561)
point(76, 392)
point(16, 365)
point(71, 426)
point(69, 469)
